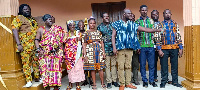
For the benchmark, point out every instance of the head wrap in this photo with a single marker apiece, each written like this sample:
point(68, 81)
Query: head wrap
point(70, 22)
point(46, 16)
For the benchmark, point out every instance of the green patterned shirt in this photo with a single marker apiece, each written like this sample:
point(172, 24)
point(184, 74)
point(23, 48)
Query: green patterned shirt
point(145, 39)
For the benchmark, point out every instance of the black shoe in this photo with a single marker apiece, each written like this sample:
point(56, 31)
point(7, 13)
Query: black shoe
point(115, 84)
point(135, 82)
point(153, 84)
point(85, 83)
point(145, 84)
point(177, 85)
point(169, 82)
point(109, 86)
point(90, 80)
point(162, 85)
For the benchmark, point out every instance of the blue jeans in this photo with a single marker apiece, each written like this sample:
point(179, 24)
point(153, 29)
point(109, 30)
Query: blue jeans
point(147, 53)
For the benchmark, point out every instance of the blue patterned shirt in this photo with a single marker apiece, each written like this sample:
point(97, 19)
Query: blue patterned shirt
point(170, 36)
point(126, 35)
point(106, 31)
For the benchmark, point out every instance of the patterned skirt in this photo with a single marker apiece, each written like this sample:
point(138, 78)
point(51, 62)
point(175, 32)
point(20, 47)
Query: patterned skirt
point(94, 53)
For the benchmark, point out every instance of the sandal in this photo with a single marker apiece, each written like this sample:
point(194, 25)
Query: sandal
point(104, 87)
point(78, 88)
point(94, 87)
point(68, 88)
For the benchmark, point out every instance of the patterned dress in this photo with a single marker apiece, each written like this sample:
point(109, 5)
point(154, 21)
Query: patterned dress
point(94, 51)
point(51, 60)
point(27, 28)
point(73, 60)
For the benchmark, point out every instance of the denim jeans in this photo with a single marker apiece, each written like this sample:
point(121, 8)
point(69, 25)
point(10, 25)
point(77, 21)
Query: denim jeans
point(147, 53)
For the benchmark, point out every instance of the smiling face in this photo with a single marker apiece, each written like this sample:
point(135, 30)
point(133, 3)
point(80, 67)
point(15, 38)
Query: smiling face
point(92, 24)
point(81, 25)
point(128, 14)
point(155, 15)
point(143, 11)
point(71, 26)
point(106, 18)
point(49, 22)
point(133, 17)
point(26, 11)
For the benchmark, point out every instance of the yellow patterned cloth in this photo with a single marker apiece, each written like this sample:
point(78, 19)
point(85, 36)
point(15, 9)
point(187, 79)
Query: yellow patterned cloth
point(27, 28)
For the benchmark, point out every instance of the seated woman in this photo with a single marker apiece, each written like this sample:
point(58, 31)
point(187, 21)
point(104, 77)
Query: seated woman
point(49, 44)
point(94, 53)
point(73, 58)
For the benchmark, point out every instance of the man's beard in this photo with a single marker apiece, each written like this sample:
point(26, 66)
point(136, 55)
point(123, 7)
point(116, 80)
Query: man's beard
point(156, 19)
point(127, 19)
point(26, 15)
point(167, 18)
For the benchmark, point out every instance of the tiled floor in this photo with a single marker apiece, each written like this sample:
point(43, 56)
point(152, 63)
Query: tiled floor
point(139, 87)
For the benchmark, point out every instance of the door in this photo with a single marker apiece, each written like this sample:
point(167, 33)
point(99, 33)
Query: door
point(114, 9)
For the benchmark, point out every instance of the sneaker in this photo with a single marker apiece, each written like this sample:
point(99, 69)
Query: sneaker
point(109, 86)
point(145, 84)
point(115, 84)
point(41, 81)
point(153, 84)
point(28, 84)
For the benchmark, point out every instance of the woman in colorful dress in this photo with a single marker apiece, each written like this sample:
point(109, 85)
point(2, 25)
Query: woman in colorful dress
point(49, 43)
point(94, 53)
point(82, 30)
point(73, 57)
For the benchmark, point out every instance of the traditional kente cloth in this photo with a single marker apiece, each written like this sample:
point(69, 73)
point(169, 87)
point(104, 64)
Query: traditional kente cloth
point(51, 60)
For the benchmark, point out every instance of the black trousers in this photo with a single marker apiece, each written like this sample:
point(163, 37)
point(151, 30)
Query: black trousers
point(156, 60)
point(135, 65)
point(173, 54)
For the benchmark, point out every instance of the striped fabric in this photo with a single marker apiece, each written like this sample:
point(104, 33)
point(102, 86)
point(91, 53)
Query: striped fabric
point(146, 39)
point(126, 35)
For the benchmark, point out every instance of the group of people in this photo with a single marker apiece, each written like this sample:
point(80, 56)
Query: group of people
point(128, 42)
